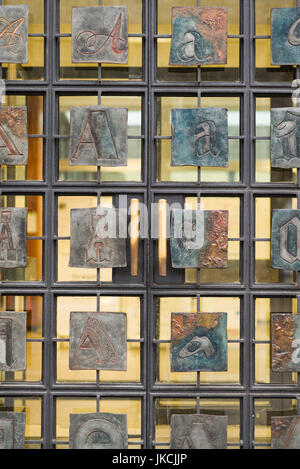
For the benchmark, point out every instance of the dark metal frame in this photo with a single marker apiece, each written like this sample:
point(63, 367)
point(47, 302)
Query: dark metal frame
point(147, 287)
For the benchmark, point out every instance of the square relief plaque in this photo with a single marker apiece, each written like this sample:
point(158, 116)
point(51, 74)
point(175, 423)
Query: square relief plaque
point(13, 135)
point(198, 432)
point(98, 431)
point(13, 242)
point(285, 432)
point(199, 36)
point(100, 34)
point(98, 341)
point(200, 137)
point(198, 342)
point(98, 136)
point(14, 34)
point(12, 430)
point(285, 240)
point(285, 38)
point(199, 238)
point(95, 240)
point(285, 342)
point(12, 341)
point(285, 133)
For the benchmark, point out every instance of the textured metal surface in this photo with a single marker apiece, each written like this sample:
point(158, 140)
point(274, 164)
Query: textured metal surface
point(13, 246)
point(198, 432)
point(198, 342)
point(199, 241)
point(285, 39)
point(98, 341)
point(89, 248)
point(285, 242)
point(285, 432)
point(13, 135)
point(12, 341)
point(285, 132)
point(285, 342)
point(98, 431)
point(98, 136)
point(100, 34)
point(12, 430)
point(14, 34)
point(199, 137)
point(199, 36)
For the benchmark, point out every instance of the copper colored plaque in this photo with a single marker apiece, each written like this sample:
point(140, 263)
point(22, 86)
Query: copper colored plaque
point(199, 36)
point(285, 432)
point(198, 432)
point(98, 341)
point(100, 34)
point(13, 245)
point(14, 34)
point(285, 342)
point(13, 135)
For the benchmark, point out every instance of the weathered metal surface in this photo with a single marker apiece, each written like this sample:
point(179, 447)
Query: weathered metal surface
point(285, 432)
point(285, 133)
point(12, 341)
point(14, 34)
point(200, 137)
point(285, 342)
point(12, 430)
point(285, 38)
point(199, 36)
point(13, 243)
point(198, 342)
point(199, 239)
point(285, 241)
point(94, 238)
point(100, 34)
point(198, 432)
point(98, 341)
point(98, 136)
point(13, 135)
point(98, 431)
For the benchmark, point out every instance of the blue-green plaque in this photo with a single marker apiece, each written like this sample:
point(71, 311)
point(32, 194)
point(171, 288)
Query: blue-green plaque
point(285, 242)
point(285, 133)
point(285, 36)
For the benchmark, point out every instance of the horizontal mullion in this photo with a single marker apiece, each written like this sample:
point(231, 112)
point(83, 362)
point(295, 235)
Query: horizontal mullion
point(37, 35)
point(262, 36)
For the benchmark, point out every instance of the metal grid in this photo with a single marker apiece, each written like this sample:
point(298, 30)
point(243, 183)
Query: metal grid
point(147, 288)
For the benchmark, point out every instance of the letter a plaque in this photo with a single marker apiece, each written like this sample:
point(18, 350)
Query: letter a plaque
point(98, 341)
point(98, 136)
point(13, 245)
point(200, 137)
point(285, 241)
point(198, 432)
point(199, 36)
point(100, 34)
point(13, 135)
point(14, 34)
point(12, 341)
point(285, 36)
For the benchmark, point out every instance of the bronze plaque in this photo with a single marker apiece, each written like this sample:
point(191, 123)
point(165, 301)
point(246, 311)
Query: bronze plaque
point(12, 341)
point(95, 240)
point(285, 432)
point(14, 34)
point(285, 342)
point(98, 341)
point(198, 432)
point(13, 135)
point(13, 243)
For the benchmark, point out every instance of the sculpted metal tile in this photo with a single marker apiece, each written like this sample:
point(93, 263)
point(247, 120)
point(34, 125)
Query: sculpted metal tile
point(14, 34)
point(285, 342)
point(98, 341)
point(98, 136)
point(199, 239)
point(198, 342)
point(285, 40)
point(285, 133)
point(13, 242)
point(199, 36)
point(94, 238)
point(98, 431)
point(12, 430)
point(199, 137)
point(12, 341)
point(100, 34)
point(13, 135)
point(198, 432)
point(285, 241)
point(285, 432)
